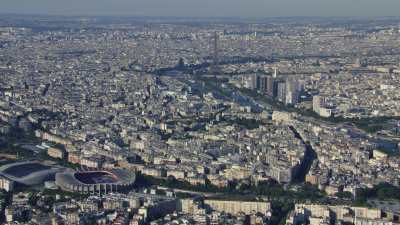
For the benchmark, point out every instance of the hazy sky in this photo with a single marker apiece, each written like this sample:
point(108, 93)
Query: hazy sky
point(205, 8)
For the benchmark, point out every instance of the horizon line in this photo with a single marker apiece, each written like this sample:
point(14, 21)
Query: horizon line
point(196, 17)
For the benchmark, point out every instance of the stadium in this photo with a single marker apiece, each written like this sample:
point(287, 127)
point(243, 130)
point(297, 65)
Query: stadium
point(115, 180)
point(30, 173)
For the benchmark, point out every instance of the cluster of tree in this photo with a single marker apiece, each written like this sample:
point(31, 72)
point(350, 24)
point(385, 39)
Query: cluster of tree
point(43, 202)
point(17, 133)
point(382, 191)
point(171, 182)
point(5, 199)
point(64, 194)
point(344, 195)
point(280, 211)
point(270, 189)
point(249, 124)
point(370, 125)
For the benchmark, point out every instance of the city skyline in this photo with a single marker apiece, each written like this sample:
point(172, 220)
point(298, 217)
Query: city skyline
point(206, 8)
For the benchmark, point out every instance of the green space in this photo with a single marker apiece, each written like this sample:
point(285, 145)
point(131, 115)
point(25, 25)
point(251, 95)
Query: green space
point(14, 139)
point(65, 194)
point(5, 198)
point(382, 191)
point(280, 211)
point(19, 152)
point(170, 182)
point(344, 195)
point(249, 124)
point(271, 189)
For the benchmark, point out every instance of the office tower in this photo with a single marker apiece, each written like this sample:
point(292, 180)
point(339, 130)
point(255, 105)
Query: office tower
point(263, 83)
point(281, 91)
point(255, 82)
point(292, 92)
point(275, 88)
point(270, 86)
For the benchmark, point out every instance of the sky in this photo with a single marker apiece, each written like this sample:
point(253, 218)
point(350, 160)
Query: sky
point(205, 8)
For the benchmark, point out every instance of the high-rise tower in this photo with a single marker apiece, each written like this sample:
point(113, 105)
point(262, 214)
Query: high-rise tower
point(215, 67)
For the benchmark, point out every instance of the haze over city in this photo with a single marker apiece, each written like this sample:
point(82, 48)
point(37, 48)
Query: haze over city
point(205, 8)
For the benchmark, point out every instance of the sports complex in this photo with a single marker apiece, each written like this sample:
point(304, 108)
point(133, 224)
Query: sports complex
point(115, 180)
point(30, 173)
